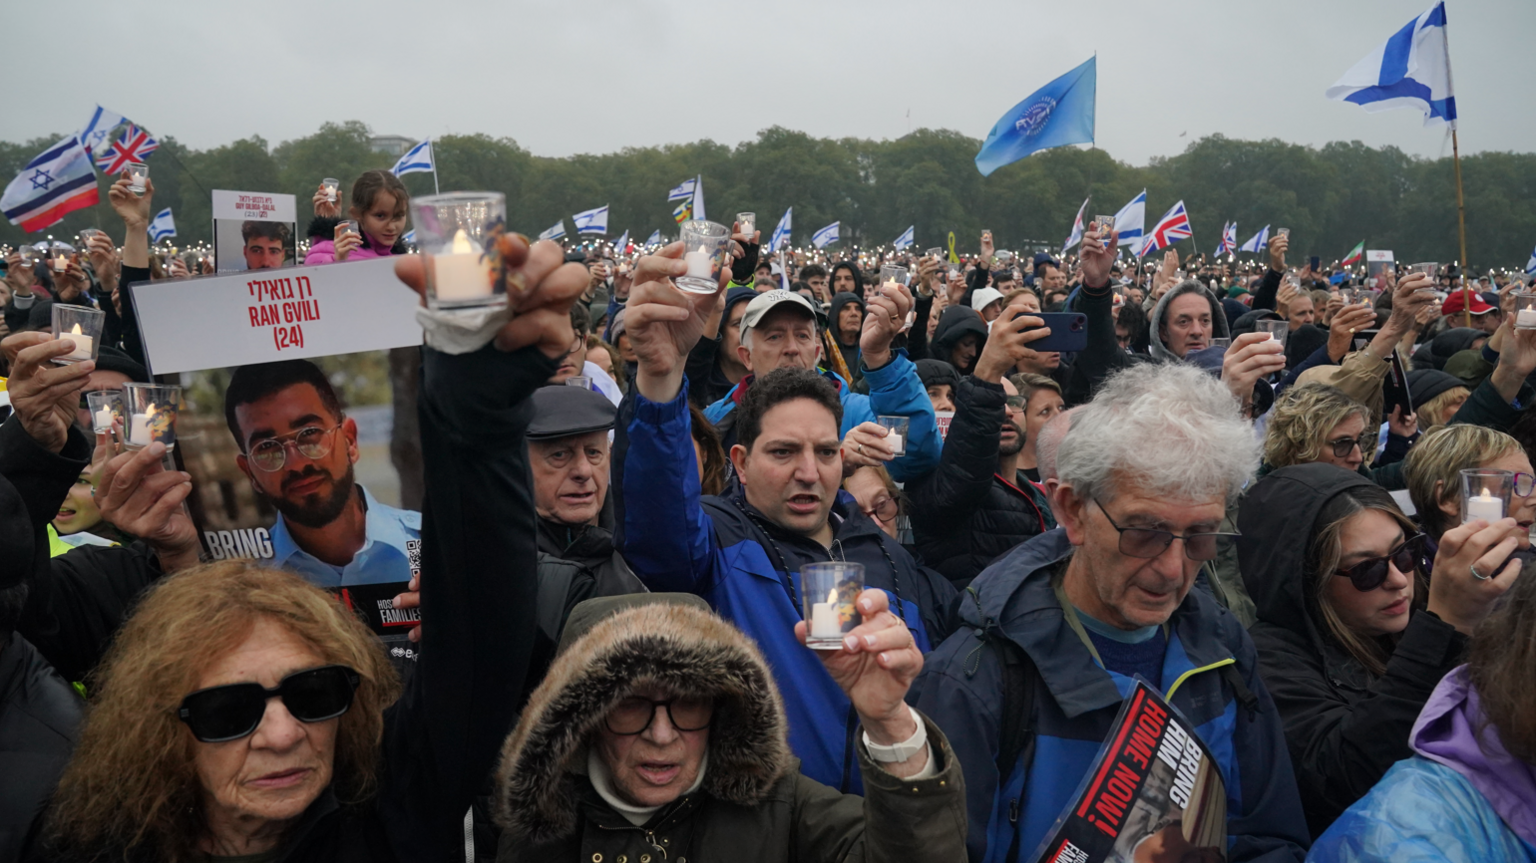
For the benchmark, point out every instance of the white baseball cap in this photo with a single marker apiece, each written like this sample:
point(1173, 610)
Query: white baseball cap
point(762, 303)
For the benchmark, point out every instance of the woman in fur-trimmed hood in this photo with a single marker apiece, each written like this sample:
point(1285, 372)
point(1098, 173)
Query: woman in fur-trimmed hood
point(659, 735)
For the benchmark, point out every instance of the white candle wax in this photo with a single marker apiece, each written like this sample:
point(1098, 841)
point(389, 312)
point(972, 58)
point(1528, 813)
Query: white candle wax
point(897, 442)
point(1485, 506)
point(1526, 320)
point(138, 432)
point(462, 274)
point(699, 264)
point(83, 345)
point(102, 419)
point(824, 621)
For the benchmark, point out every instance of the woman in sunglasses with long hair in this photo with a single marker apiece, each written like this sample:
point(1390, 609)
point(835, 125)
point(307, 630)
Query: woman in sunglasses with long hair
point(1351, 636)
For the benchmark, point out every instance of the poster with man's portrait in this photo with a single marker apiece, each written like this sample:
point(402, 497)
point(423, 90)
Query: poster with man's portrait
point(253, 230)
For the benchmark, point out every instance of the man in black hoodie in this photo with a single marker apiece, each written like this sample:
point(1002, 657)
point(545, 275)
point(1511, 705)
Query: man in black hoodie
point(846, 278)
point(846, 320)
point(959, 338)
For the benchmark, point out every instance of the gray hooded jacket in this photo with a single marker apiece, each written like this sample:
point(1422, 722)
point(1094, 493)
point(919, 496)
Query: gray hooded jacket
point(1218, 317)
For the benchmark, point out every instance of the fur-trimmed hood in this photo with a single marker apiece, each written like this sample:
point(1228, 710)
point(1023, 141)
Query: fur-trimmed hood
point(680, 648)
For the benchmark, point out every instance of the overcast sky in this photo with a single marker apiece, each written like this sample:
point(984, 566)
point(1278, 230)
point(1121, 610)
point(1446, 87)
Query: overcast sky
point(573, 76)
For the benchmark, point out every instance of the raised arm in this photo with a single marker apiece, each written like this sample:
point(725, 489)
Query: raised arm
point(1102, 355)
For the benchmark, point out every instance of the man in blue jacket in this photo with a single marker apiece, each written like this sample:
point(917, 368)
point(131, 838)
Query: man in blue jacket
point(1074, 615)
point(779, 331)
point(742, 552)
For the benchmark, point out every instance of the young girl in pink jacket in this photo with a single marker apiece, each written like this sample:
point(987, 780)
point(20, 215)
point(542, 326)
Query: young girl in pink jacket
point(379, 204)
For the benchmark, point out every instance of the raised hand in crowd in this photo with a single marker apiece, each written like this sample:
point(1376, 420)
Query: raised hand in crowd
point(1332, 309)
point(346, 242)
point(884, 320)
point(45, 396)
point(875, 669)
point(1400, 425)
point(663, 323)
point(1473, 569)
point(103, 254)
point(1517, 359)
point(1008, 343)
point(1284, 296)
point(18, 276)
point(1349, 321)
point(1098, 256)
point(954, 291)
point(176, 268)
point(927, 276)
point(324, 207)
point(69, 285)
point(865, 446)
point(1251, 356)
point(140, 497)
point(987, 251)
point(1277, 246)
point(542, 287)
point(135, 212)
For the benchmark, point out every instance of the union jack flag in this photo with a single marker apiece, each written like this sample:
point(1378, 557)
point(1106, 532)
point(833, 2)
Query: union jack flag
point(1228, 239)
point(1172, 227)
point(134, 145)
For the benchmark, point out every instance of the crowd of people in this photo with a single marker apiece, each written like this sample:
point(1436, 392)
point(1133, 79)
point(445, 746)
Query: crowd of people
point(1241, 485)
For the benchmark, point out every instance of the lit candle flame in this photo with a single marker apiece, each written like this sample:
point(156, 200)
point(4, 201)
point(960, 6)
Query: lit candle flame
point(75, 331)
point(461, 243)
point(702, 252)
point(832, 596)
point(149, 411)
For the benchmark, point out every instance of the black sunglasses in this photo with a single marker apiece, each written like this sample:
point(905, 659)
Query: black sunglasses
point(1368, 574)
point(1344, 445)
point(1147, 542)
point(221, 713)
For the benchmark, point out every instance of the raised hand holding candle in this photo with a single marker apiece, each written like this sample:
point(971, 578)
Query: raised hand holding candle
point(457, 234)
point(896, 432)
point(1525, 317)
point(82, 326)
point(824, 622)
point(831, 618)
point(709, 242)
point(1485, 494)
point(152, 412)
point(699, 265)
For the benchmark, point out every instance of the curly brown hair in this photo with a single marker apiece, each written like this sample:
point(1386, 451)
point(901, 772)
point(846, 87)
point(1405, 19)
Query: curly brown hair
point(132, 786)
point(1301, 420)
point(1499, 662)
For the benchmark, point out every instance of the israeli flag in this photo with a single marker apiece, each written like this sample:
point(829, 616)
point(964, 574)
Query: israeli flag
point(621, 243)
point(409, 238)
point(1530, 266)
point(905, 239)
point(1059, 113)
point(654, 239)
point(682, 192)
point(1256, 242)
point(781, 231)
point(592, 221)
point(416, 160)
point(1077, 229)
point(98, 130)
point(1410, 70)
point(555, 231)
point(162, 226)
point(822, 238)
point(1131, 221)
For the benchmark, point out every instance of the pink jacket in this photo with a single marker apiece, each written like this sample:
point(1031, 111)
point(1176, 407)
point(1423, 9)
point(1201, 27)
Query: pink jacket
point(324, 252)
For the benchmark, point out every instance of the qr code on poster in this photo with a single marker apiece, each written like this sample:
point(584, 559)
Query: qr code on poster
point(413, 555)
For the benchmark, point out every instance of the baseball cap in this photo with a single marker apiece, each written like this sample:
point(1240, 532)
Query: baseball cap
point(1453, 304)
point(765, 301)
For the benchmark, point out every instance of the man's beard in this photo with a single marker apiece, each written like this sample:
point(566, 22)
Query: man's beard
point(317, 512)
point(1007, 448)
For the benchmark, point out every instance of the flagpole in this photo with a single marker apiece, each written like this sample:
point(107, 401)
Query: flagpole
point(1461, 223)
point(435, 189)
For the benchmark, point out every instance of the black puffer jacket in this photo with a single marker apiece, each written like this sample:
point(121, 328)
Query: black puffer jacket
point(39, 718)
point(1345, 727)
point(964, 516)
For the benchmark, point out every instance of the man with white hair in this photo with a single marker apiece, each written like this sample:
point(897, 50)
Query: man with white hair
point(1070, 618)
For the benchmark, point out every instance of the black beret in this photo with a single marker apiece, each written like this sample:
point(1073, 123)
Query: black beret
point(562, 411)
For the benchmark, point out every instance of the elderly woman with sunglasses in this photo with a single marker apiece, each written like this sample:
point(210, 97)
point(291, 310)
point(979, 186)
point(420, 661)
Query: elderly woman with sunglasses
point(243, 713)
point(1320, 423)
point(1352, 637)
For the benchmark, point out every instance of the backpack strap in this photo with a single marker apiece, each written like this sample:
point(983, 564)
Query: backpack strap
point(1245, 696)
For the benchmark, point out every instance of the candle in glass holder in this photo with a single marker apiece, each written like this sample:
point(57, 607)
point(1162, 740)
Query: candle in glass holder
point(101, 421)
point(699, 264)
point(60, 263)
point(84, 345)
point(824, 619)
point(139, 426)
point(463, 273)
point(1485, 506)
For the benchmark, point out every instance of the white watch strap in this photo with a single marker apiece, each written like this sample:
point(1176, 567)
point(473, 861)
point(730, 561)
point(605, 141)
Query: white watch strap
point(903, 750)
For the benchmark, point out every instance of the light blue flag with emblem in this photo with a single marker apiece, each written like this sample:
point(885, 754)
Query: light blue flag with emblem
point(594, 221)
point(162, 226)
point(905, 239)
point(1059, 113)
point(1412, 69)
point(781, 232)
point(554, 232)
point(825, 236)
point(416, 160)
point(653, 239)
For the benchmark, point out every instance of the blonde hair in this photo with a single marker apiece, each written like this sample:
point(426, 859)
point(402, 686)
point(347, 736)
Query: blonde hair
point(1437, 411)
point(1433, 466)
point(132, 788)
point(1301, 420)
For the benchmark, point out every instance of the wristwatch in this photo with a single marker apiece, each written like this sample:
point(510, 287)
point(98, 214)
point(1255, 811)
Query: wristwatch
point(903, 750)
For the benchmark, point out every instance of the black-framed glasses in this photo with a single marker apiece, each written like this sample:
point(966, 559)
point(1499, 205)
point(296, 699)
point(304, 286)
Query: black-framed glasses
point(1368, 574)
point(1150, 542)
point(1344, 445)
point(312, 442)
point(884, 509)
point(230, 712)
point(635, 714)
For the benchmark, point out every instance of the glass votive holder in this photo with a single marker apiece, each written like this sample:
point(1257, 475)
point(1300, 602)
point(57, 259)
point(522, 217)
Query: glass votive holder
point(1428, 268)
point(1485, 493)
point(106, 407)
point(828, 593)
point(346, 226)
point(151, 414)
point(330, 184)
point(60, 260)
point(1278, 330)
point(890, 275)
point(1222, 343)
point(1105, 225)
point(579, 381)
point(935, 253)
point(1283, 232)
point(81, 325)
point(457, 234)
point(1525, 310)
point(706, 250)
point(896, 432)
point(1004, 256)
point(748, 223)
point(138, 172)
